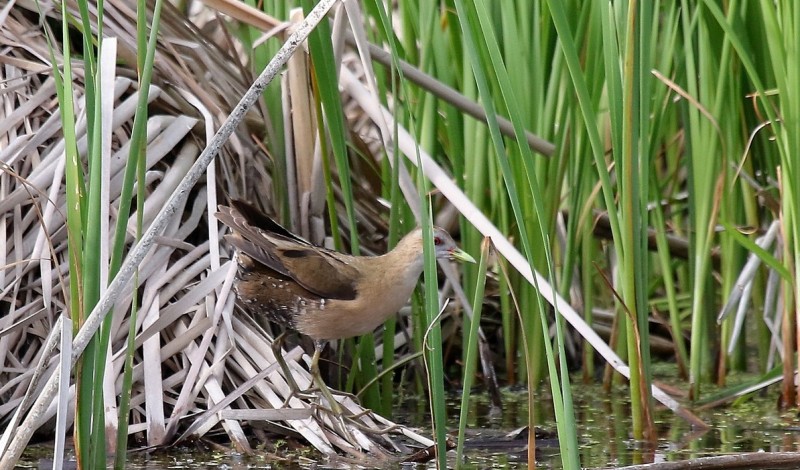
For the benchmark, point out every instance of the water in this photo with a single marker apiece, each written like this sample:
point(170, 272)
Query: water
point(496, 441)
point(605, 437)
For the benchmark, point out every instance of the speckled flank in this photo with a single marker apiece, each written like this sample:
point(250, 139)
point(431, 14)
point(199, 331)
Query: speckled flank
point(269, 296)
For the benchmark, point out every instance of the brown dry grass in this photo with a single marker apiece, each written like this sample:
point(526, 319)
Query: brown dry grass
point(200, 365)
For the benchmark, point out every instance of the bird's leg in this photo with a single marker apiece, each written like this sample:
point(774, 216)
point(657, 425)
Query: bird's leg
point(315, 373)
point(336, 409)
point(317, 382)
point(277, 351)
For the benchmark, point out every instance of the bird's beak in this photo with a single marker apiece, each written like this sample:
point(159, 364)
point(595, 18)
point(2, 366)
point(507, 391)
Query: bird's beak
point(461, 255)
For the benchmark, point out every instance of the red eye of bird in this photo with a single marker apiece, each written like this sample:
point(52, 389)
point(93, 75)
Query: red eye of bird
point(437, 241)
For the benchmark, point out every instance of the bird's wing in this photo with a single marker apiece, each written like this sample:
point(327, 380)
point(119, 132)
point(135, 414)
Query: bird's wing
point(320, 271)
point(316, 269)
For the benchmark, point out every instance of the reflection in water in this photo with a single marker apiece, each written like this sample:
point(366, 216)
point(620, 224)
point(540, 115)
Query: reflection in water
point(604, 430)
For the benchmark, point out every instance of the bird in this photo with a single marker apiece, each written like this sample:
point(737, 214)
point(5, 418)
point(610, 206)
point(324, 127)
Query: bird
point(321, 293)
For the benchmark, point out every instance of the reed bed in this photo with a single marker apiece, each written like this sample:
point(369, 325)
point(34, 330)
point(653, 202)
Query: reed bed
point(631, 163)
point(200, 366)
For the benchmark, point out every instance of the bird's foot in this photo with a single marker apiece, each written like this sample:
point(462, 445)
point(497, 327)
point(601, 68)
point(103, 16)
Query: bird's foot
point(362, 421)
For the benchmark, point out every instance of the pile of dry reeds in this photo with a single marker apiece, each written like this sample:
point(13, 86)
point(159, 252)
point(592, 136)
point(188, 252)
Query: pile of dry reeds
point(200, 364)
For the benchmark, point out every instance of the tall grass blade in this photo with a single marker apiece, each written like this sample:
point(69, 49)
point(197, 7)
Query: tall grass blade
point(471, 356)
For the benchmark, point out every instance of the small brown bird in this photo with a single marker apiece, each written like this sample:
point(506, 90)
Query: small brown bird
point(322, 293)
